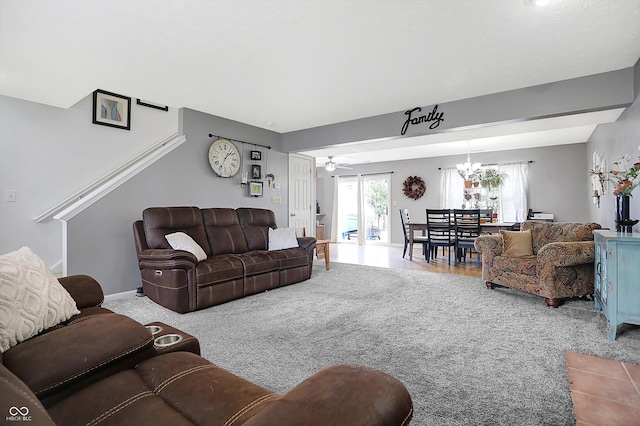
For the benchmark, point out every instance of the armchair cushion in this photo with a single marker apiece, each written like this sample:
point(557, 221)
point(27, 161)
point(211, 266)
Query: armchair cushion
point(517, 243)
point(31, 300)
point(527, 265)
point(544, 233)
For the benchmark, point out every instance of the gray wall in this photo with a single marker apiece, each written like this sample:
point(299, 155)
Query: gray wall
point(600, 91)
point(557, 182)
point(614, 140)
point(100, 239)
point(49, 153)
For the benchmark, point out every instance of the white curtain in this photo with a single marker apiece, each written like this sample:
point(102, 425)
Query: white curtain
point(512, 197)
point(451, 184)
point(334, 212)
point(513, 193)
point(361, 230)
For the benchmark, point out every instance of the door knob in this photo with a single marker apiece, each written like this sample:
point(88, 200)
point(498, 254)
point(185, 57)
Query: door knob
point(292, 214)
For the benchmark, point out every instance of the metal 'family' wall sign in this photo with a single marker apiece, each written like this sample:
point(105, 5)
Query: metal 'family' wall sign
point(434, 117)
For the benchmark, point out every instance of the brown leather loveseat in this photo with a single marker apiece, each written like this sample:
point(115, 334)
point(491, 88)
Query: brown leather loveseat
point(238, 260)
point(99, 367)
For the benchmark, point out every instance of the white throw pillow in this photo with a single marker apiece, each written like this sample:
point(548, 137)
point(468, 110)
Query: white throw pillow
point(282, 238)
point(31, 298)
point(182, 241)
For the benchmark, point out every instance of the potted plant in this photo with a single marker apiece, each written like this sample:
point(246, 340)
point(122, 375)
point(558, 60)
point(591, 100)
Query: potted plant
point(476, 177)
point(467, 178)
point(492, 178)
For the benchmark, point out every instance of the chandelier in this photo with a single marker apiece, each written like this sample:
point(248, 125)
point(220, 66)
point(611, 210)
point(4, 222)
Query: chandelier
point(467, 169)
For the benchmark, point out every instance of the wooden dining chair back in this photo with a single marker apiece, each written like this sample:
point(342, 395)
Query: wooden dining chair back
point(439, 231)
point(421, 239)
point(467, 229)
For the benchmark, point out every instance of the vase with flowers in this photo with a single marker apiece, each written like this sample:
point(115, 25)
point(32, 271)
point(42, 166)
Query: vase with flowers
point(625, 177)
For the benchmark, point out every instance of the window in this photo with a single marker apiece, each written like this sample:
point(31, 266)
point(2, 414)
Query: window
point(509, 201)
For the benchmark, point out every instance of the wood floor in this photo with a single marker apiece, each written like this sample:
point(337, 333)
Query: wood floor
point(391, 257)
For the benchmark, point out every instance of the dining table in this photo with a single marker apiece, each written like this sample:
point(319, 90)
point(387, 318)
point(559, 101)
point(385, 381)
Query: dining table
point(487, 227)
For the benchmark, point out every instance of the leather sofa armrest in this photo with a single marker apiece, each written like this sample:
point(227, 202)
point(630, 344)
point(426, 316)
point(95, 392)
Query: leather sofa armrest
point(15, 396)
point(567, 253)
point(84, 290)
point(166, 259)
point(52, 361)
point(307, 243)
point(342, 394)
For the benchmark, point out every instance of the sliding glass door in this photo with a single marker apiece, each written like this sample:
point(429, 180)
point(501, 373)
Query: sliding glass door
point(376, 208)
point(363, 209)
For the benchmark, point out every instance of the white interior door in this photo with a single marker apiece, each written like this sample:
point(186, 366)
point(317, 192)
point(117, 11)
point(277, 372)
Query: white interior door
point(301, 193)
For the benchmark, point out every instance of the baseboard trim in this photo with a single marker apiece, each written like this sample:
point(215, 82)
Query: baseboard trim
point(116, 296)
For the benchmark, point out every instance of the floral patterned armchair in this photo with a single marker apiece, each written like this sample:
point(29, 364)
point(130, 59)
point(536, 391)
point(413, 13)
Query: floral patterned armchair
point(561, 264)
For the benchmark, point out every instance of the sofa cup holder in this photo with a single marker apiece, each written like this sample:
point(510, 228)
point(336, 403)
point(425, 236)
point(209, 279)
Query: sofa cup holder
point(154, 329)
point(167, 340)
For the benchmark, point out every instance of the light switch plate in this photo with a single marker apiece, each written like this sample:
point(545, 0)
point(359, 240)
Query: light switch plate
point(276, 199)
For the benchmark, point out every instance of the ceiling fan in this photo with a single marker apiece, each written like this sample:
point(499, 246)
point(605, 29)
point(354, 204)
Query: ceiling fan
point(332, 165)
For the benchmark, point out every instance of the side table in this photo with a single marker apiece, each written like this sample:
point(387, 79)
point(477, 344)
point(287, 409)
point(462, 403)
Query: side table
point(322, 246)
point(617, 278)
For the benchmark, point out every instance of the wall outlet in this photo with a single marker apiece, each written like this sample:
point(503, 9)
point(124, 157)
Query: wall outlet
point(276, 200)
point(10, 196)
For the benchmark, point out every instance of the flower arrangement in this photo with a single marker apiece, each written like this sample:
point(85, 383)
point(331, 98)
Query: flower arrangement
point(625, 176)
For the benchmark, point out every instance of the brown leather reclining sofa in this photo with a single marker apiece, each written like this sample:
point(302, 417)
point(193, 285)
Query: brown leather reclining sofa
point(103, 368)
point(238, 264)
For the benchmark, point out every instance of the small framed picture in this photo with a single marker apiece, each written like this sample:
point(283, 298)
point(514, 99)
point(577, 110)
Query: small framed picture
point(256, 171)
point(110, 109)
point(152, 105)
point(255, 189)
point(256, 155)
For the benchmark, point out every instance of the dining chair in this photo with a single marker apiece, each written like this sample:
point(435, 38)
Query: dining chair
point(404, 218)
point(439, 231)
point(467, 229)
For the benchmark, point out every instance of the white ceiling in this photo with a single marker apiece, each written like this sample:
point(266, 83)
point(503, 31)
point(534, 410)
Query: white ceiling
point(287, 65)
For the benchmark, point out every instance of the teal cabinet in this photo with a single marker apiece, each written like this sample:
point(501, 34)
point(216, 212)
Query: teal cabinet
point(617, 278)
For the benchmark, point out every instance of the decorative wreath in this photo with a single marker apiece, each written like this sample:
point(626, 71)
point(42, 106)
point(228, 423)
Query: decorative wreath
point(414, 187)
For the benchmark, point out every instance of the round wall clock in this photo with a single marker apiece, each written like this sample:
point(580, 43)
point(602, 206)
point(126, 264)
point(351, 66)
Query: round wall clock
point(224, 158)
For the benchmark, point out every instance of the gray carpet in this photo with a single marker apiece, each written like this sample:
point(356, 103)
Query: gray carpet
point(467, 355)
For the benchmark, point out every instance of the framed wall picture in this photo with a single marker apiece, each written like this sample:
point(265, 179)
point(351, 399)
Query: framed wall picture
point(152, 105)
point(256, 171)
point(256, 155)
point(255, 189)
point(110, 109)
